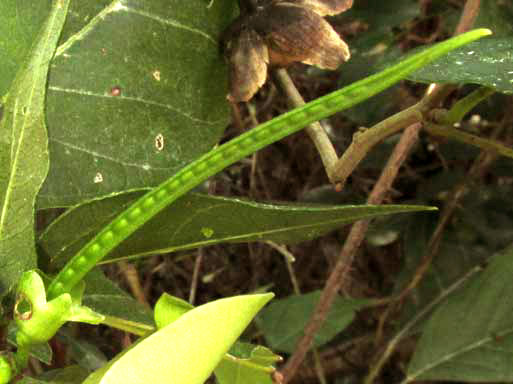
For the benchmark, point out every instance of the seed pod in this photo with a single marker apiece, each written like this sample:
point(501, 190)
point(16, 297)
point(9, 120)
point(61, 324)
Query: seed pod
point(248, 58)
point(278, 34)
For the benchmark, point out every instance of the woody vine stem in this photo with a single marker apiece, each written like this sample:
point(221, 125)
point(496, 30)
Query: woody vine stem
point(412, 119)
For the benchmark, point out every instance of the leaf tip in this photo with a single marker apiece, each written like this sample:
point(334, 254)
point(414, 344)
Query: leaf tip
point(485, 31)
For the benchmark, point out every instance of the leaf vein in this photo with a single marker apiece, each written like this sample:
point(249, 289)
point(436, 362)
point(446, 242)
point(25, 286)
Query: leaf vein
point(84, 92)
point(173, 23)
point(144, 166)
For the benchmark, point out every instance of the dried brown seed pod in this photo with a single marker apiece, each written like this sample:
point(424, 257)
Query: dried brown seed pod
point(277, 34)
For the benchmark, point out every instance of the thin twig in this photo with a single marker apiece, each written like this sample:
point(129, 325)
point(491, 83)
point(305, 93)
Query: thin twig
point(487, 145)
point(132, 278)
point(433, 96)
point(355, 238)
point(353, 241)
point(364, 141)
point(483, 162)
point(392, 344)
point(468, 16)
point(315, 131)
point(195, 276)
point(289, 259)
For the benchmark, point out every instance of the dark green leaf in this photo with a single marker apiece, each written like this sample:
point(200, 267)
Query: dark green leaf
point(470, 338)
point(197, 220)
point(483, 228)
point(69, 375)
point(137, 90)
point(103, 296)
point(380, 17)
point(487, 62)
point(83, 352)
point(284, 320)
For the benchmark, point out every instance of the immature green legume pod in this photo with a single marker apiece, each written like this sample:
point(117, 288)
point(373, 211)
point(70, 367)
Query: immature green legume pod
point(209, 164)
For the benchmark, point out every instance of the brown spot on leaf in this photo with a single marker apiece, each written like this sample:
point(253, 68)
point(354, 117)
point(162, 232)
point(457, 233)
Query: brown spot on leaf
point(115, 91)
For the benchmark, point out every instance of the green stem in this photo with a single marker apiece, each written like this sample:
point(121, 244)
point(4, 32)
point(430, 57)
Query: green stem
point(214, 161)
point(464, 137)
point(128, 326)
point(21, 357)
point(249, 364)
point(463, 106)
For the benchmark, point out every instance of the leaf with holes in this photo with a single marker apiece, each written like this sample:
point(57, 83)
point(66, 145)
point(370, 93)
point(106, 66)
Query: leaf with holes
point(137, 89)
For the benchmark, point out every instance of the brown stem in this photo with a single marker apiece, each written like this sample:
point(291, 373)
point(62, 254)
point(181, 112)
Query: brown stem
point(195, 276)
point(357, 233)
point(132, 277)
point(354, 239)
point(470, 12)
point(469, 15)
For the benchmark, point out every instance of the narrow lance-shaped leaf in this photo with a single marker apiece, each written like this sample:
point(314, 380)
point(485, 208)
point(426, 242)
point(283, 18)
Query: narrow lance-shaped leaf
point(24, 153)
point(209, 164)
point(488, 62)
point(199, 220)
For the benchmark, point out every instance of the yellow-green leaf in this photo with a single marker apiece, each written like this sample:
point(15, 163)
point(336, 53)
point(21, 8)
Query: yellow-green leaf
point(187, 350)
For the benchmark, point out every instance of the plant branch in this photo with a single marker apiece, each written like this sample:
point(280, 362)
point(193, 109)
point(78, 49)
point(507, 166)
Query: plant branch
point(415, 320)
point(315, 131)
point(353, 241)
point(468, 16)
point(480, 164)
point(364, 141)
point(487, 145)
point(434, 95)
point(465, 105)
